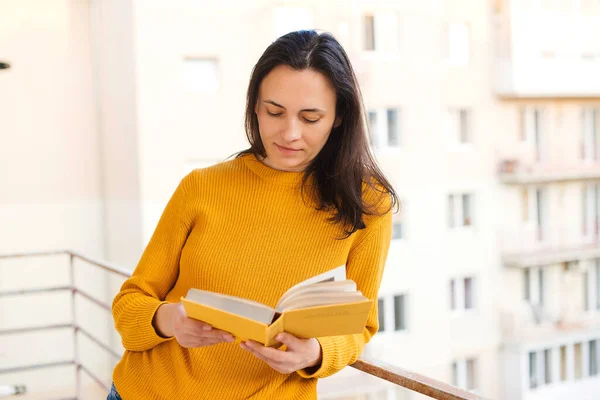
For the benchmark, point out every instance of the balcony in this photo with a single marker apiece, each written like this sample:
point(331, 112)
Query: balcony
point(91, 356)
point(534, 46)
point(517, 172)
point(530, 245)
point(533, 324)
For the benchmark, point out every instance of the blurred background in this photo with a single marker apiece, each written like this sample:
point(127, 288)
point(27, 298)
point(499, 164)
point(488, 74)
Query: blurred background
point(484, 114)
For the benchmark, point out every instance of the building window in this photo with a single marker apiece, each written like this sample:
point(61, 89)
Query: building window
point(464, 374)
point(458, 126)
point(527, 284)
point(458, 42)
point(369, 31)
point(469, 296)
point(597, 280)
point(541, 196)
point(471, 375)
point(460, 210)
point(590, 119)
point(400, 312)
point(589, 210)
point(563, 363)
point(540, 368)
point(578, 361)
point(381, 314)
point(397, 230)
point(373, 129)
point(533, 379)
point(393, 127)
point(547, 366)
point(462, 293)
point(534, 285)
point(398, 225)
point(586, 291)
point(382, 32)
point(531, 130)
point(525, 204)
point(384, 127)
point(200, 75)
point(593, 357)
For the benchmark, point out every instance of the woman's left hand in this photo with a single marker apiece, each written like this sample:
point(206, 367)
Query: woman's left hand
point(299, 353)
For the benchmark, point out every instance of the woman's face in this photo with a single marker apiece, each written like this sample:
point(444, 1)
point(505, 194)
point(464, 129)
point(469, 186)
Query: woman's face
point(296, 112)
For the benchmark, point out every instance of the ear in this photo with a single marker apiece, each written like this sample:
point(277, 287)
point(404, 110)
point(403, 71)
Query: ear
point(337, 122)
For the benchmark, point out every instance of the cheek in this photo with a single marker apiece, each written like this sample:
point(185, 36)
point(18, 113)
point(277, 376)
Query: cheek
point(318, 137)
point(267, 126)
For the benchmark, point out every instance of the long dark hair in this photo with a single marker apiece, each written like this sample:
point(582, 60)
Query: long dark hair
point(345, 163)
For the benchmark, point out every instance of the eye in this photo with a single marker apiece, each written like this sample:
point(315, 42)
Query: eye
point(273, 114)
point(311, 121)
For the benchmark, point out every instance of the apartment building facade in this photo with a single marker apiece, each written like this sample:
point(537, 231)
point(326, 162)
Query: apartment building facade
point(489, 130)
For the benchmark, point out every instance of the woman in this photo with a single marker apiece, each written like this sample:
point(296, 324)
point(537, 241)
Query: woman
point(304, 198)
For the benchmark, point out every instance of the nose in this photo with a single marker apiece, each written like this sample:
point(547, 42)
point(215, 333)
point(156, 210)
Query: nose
point(292, 130)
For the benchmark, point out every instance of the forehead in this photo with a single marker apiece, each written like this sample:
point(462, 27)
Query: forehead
point(303, 89)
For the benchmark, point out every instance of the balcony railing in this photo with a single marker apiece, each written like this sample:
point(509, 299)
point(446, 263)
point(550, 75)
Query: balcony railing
point(534, 323)
point(518, 172)
point(531, 245)
point(398, 376)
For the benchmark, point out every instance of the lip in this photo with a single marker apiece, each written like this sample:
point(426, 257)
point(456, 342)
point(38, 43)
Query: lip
point(286, 149)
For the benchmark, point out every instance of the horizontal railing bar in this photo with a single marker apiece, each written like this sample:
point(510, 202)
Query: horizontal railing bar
point(91, 298)
point(35, 254)
point(19, 292)
point(102, 264)
point(34, 329)
point(36, 366)
point(413, 381)
point(98, 342)
point(94, 377)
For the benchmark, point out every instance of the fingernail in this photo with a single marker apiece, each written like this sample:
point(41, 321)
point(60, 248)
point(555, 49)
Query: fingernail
point(206, 327)
point(279, 337)
point(228, 337)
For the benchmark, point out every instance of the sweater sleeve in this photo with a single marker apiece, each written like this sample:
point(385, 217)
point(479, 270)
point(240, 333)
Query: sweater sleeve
point(140, 296)
point(365, 266)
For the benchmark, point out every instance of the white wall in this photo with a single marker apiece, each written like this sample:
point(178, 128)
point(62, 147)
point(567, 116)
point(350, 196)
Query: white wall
point(50, 179)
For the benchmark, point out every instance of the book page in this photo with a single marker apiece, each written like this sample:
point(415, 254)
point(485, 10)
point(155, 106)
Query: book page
point(234, 305)
point(321, 299)
point(321, 287)
point(336, 274)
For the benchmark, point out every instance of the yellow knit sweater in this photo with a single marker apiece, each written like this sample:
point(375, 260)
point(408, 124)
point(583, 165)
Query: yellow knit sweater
point(243, 229)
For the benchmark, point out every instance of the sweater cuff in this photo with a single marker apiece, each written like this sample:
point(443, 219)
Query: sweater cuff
point(145, 336)
point(328, 353)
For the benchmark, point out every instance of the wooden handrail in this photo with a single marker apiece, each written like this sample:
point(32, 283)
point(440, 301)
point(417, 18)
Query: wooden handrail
point(399, 376)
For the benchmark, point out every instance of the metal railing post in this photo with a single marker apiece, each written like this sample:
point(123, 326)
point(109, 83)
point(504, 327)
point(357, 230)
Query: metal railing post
point(75, 328)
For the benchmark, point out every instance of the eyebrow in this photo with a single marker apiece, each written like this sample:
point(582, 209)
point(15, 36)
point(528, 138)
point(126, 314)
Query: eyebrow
point(305, 109)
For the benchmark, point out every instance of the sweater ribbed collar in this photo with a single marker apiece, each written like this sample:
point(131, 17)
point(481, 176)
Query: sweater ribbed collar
point(271, 174)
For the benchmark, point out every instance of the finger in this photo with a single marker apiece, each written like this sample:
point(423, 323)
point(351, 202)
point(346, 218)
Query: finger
point(200, 343)
point(290, 341)
point(275, 365)
point(196, 325)
point(192, 329)
point(277, 356)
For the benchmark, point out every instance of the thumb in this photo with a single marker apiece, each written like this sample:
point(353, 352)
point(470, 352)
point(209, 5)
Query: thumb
point(290, 341)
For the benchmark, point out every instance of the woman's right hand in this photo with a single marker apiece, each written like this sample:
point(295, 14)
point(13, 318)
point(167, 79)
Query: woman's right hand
point(170, 320)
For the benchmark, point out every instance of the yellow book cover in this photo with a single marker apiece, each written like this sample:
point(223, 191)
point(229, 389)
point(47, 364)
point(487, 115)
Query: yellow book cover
point(325, 305)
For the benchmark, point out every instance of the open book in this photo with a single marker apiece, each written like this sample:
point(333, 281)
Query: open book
point(324, 305)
